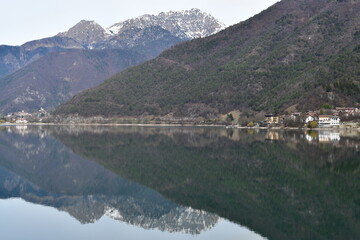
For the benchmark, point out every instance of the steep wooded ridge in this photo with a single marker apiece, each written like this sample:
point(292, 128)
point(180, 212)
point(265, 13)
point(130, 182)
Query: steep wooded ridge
point(297, 52)
point(42, 73)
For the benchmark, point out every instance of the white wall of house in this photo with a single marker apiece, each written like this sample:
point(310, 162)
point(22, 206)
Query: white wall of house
point(334, 121)
point(309, 119)
point(324, 120)
point(329, 121)
point(21, 121)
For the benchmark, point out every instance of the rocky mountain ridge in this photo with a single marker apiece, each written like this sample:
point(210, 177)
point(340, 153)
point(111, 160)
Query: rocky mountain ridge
point(181, 25)
point(184, 25)
point(187, 24)
point(86, 33)
point(144, 38)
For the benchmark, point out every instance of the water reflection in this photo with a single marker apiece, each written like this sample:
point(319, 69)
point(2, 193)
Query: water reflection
point(41, 170)
point(281, 184)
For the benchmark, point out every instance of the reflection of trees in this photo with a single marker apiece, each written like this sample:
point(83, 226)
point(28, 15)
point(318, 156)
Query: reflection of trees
point(285, 189)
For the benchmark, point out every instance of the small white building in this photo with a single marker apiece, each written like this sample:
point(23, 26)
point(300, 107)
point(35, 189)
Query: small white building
point(21, 121)
point(309, 119)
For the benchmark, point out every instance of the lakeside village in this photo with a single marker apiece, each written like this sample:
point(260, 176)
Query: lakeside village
point(339, 117)
point(23, 117)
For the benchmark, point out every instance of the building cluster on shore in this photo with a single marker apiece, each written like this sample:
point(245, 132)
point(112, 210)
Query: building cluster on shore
point(328, 118)
point(320, 118)
point(23, 117)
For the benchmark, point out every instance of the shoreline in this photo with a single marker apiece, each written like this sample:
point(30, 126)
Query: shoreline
point(114, 124)
point(178, 125)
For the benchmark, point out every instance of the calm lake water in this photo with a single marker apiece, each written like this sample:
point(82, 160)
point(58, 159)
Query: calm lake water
point(195, 183)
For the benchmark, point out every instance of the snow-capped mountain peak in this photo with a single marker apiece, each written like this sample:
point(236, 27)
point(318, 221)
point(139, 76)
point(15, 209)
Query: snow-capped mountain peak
point(186, 24)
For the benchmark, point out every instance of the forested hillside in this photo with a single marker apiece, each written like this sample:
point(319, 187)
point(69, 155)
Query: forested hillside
point(302, 53)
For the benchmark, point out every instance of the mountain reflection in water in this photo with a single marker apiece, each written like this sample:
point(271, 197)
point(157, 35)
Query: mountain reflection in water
point(280, 184)
point(39, 169)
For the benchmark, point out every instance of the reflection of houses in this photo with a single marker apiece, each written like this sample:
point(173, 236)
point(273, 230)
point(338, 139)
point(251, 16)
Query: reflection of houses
point(310, 137)
point(22, 130)
point(322, 136)
point(328, 120)
point(272, 119)
point(272, 136)
point(329, 136)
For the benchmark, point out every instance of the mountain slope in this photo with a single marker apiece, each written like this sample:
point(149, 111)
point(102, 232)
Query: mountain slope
point(42, 84)
point(56, 77)
point(12, 58)
point(150, 41)
point(295, 52)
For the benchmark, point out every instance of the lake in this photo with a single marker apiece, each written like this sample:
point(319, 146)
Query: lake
point(102, 182)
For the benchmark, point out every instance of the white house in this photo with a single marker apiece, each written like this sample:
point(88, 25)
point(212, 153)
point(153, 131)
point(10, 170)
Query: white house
point(324, 120)
point(334, 121)
point(309, 119)
point(328, 120)
point(21, 121)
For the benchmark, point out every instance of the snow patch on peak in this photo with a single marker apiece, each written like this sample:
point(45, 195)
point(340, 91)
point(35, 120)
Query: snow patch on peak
point(185, 24)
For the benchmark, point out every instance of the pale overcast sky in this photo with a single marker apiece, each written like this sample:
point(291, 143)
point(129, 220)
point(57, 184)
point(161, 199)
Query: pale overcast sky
point(25, 20)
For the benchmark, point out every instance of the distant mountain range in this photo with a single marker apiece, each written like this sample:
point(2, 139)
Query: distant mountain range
point(143, 38)
point(184, 25)
point(296, 55)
